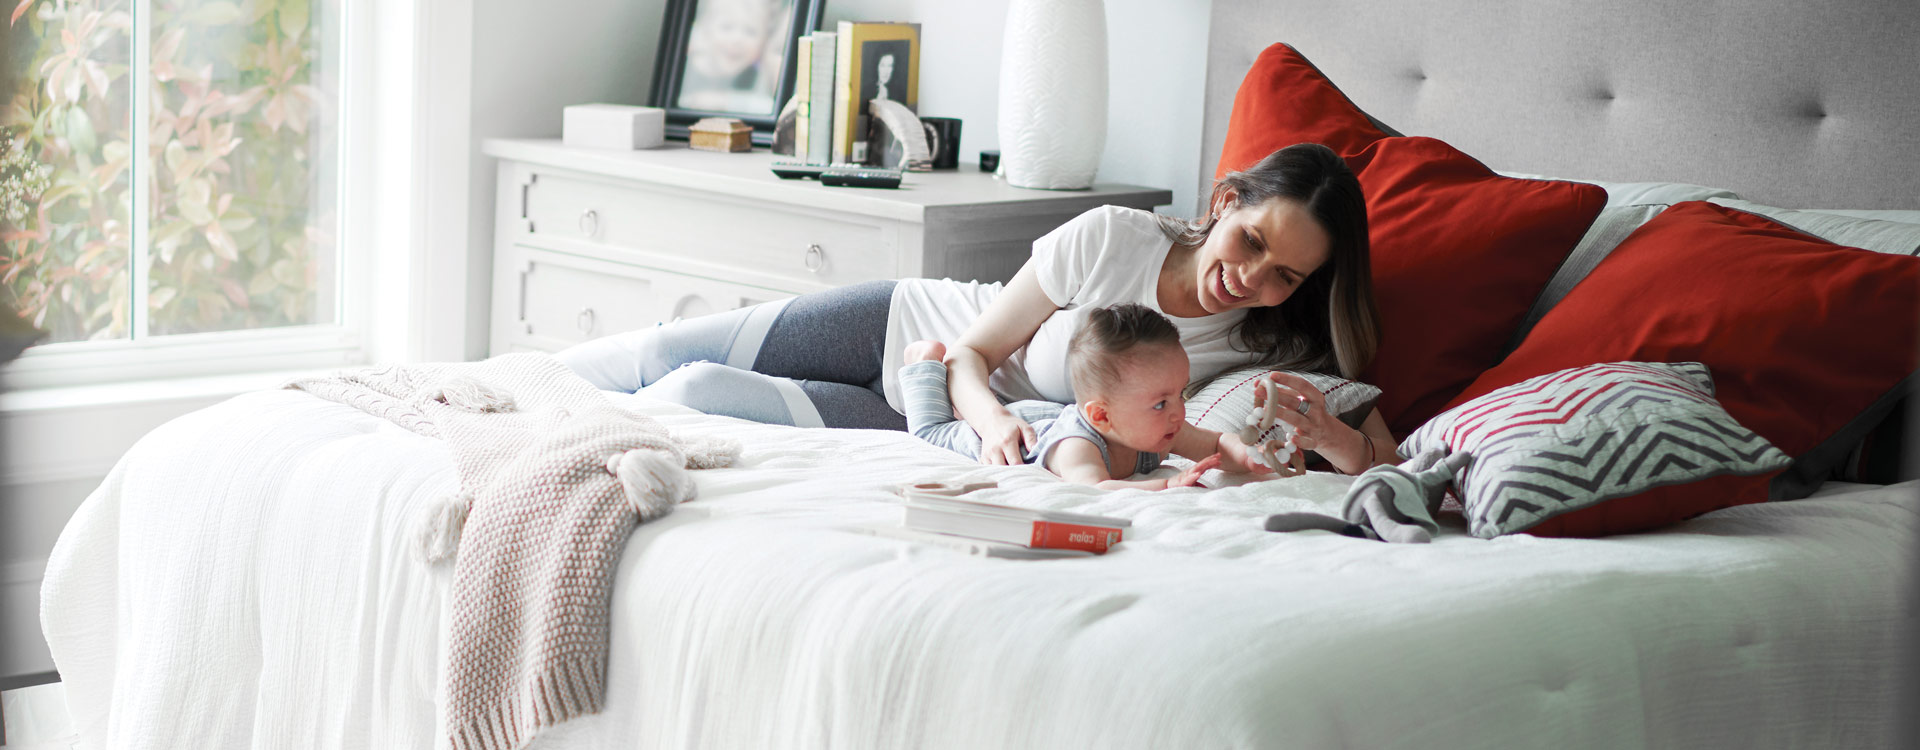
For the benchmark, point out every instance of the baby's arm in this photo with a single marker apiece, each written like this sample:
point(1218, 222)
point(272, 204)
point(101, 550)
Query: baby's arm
point(1078, 460)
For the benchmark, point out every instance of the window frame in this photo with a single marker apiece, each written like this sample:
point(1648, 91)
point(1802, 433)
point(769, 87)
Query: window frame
point(345, 342)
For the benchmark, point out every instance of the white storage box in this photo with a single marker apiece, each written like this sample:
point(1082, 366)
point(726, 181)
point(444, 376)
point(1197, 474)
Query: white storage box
point(616, 126)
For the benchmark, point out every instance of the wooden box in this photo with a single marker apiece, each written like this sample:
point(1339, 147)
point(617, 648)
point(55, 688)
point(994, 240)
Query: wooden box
point(721, 134)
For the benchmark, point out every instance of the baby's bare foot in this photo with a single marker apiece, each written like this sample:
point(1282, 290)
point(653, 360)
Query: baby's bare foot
point(921, 351)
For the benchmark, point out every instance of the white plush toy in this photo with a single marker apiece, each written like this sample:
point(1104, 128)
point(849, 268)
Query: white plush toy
point(1276, 455)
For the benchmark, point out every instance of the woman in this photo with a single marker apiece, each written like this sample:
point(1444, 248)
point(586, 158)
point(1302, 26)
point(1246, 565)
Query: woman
point(1274, 274)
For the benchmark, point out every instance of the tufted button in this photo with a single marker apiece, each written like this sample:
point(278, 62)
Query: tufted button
point(1417, 74)
point(1813, 111)
point(1604, 94)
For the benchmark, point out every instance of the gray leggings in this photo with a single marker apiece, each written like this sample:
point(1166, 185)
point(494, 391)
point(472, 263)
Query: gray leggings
point(810, 361)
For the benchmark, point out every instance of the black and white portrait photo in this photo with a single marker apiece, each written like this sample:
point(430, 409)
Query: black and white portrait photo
point(884, 70)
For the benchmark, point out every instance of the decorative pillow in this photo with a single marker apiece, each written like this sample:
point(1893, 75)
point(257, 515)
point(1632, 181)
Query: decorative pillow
point(1810, 343)
point(1223, 404)
point(1546, 450)
point(1877, 457)
point(1458, 252)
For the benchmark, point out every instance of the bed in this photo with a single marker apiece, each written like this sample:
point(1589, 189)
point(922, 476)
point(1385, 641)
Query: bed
point(245, 576)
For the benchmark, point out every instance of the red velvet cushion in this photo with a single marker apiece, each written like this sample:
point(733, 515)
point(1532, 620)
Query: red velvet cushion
point(1801, 336)
point(1284, 100)
point(1459, 253)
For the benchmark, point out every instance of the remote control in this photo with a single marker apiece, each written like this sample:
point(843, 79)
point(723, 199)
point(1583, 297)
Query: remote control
point(868, 177)
point(793, 170)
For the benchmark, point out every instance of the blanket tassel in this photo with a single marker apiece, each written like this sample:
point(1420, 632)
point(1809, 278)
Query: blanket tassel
point(438, 533)
point(653, 479)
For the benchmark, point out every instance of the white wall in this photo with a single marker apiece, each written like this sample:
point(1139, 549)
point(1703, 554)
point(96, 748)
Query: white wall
point(529, 61)
point(1157, 67)
point(532, 59)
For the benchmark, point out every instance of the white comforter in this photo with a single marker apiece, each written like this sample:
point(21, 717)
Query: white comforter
point(244, 578)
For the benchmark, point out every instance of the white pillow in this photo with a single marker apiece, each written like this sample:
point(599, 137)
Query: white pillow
point(1878, 235)
point(1880, 214)
point(1223, 404)
point(1642, 193)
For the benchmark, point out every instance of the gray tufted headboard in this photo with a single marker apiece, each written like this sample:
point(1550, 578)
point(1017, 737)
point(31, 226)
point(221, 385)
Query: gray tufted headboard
point(1799, 103)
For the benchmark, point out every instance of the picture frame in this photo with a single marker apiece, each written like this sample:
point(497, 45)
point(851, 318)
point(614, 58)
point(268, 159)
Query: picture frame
point(729, 58)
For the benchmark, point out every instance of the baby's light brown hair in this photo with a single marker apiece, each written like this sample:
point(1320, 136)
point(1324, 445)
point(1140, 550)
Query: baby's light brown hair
point(1111, 338)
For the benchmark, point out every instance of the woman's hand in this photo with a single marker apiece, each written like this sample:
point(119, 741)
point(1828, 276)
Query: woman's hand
point(1004, 439)
point(1304, 408)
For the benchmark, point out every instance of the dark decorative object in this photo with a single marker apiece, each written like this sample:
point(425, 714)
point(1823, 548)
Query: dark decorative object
point(943, 137)
point(729, 58)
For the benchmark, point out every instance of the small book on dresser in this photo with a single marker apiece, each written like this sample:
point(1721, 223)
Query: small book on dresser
point(1008, 524)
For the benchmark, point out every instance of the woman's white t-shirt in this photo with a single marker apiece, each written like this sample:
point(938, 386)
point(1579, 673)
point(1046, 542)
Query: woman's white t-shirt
point(1106, 256)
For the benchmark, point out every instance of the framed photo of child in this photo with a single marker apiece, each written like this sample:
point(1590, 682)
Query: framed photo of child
point(729, 58)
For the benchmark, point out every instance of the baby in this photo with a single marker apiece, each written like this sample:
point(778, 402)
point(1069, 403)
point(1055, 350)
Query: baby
point(1128, 370)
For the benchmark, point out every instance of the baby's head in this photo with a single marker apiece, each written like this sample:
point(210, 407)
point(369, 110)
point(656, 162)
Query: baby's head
point(1128, 370)
point(730, 36)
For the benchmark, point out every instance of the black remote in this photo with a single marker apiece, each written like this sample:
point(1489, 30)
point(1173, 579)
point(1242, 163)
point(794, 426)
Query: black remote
point(867, 177)
point(793, 170)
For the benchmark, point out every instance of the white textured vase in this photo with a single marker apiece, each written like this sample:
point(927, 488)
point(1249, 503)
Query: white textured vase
point(1053, 93)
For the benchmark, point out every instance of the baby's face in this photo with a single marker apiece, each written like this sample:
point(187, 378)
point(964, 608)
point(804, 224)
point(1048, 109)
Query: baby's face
point(1145, 409)
point(733, 34)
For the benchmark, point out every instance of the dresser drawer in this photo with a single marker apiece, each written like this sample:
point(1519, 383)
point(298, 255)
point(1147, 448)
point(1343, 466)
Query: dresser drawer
point(562, 299)
point(711, 227)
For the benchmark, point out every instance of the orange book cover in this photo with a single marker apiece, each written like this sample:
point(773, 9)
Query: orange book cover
point(1051, 535)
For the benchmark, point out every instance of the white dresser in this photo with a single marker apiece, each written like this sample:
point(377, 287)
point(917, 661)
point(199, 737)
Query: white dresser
point(591, 242)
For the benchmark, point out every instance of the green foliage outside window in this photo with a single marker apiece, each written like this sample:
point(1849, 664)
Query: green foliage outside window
point(240, 148)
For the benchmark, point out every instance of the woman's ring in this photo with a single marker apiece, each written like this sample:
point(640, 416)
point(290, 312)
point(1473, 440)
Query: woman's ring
point(1305, 406)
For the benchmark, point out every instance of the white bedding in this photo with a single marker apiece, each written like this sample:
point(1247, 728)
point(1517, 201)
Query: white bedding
point(244, 579)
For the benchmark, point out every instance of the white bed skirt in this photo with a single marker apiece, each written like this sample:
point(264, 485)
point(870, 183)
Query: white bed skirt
point(244, 579)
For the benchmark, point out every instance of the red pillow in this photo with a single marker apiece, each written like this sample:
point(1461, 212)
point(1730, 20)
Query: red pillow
point(1459, 253)
point(1801, 336)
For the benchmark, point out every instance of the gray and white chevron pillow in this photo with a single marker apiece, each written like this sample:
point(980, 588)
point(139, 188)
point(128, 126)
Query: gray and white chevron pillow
point(1580, 437)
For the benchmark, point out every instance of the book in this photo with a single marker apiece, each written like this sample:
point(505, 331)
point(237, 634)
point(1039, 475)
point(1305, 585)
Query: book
point(1010, 529)
point(817, 121)
point(873, 60)
point(952, 501)
point(966, 545)
point(802, 96)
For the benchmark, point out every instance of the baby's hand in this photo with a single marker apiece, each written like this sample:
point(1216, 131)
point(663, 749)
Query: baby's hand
point(1237, 458)
point(1191, 477)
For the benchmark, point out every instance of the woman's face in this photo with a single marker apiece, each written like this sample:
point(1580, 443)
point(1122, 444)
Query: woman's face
point(1257, 255)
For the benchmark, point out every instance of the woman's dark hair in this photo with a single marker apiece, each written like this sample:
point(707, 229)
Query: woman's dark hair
point(1330, 324)
point(1099, 350)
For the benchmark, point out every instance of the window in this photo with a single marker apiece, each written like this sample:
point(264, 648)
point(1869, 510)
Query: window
point(170, 179)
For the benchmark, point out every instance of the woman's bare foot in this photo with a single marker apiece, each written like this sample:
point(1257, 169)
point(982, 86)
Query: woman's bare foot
point(921, 351)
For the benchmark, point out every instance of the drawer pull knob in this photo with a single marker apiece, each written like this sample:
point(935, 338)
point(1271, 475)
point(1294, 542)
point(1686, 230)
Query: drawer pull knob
point(816, 258)
point(584, 320)
point(589, 223)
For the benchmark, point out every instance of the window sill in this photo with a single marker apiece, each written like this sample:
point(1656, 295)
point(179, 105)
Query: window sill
point(144, 392)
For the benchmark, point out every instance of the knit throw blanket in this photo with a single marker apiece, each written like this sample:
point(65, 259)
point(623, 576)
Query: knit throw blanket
point(553, 478)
